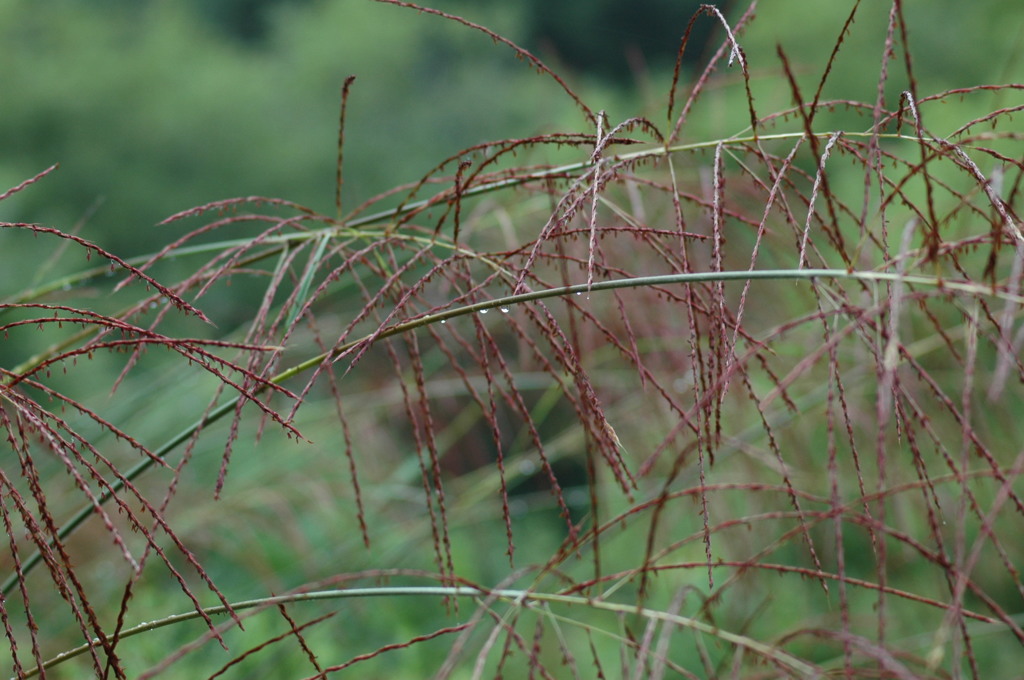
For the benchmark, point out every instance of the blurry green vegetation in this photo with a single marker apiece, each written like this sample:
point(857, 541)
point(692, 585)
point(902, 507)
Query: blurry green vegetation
point(151, 111)
point(154, 107)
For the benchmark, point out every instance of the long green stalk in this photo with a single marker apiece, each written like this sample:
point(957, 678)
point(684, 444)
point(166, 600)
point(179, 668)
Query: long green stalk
point(669, 279)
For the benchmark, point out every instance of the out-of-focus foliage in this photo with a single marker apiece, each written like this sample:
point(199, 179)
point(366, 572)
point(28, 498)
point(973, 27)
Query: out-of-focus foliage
point(152, 111)
point(152, 107)
point(615, 39)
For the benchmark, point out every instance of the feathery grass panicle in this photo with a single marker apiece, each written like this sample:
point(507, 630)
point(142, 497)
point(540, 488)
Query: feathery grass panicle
point(698, 407)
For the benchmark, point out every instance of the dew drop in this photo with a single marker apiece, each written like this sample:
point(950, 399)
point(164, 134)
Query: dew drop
point(504, 310)
point(484, 311)
point(579, 293)
point(444, 320)
point(152, 305)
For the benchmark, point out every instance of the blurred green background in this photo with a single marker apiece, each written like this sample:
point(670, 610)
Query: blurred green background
point(152, 106)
